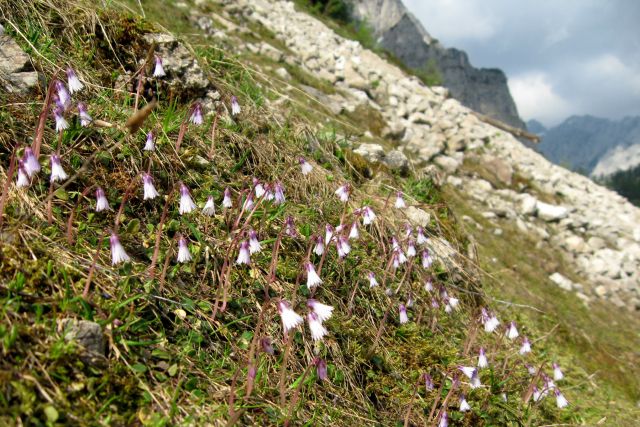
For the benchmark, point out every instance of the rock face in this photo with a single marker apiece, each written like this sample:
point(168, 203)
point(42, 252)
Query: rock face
point(398, 30)
point(16, 73)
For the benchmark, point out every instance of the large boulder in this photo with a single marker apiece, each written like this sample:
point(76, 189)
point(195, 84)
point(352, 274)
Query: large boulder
point(551, 213)
point(16, 73)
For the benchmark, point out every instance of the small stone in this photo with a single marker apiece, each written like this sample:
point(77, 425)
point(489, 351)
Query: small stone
point(561, 281)
point(600, 291)
point(283, 74)
point(418, 216)
point(373, 153)
point(397, 161)
point(551, 213)
point(87, 334)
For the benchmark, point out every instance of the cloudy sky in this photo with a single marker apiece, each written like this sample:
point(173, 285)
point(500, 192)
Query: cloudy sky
point(562, 57)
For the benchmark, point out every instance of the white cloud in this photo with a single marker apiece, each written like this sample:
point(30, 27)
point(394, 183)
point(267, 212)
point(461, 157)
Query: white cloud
point(536, 99)
point(609, 71)
point(456, 20)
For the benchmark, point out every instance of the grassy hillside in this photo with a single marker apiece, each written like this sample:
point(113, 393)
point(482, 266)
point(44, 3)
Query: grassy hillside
point(201, 342)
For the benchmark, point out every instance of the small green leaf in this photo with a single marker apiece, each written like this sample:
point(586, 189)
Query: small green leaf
point(173, 370)
point(139, 368)
point(51, 413)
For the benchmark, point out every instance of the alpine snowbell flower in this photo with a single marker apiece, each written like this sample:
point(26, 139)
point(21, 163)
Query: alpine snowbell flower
point(368, 216)
point(444, 420)
point(557, 373)
point(421, 239)
point(235, 106)
point(279, 193)
point(328, 233)
point(31, 164)
point(531, 369)
point(323, 311)
point(408, 230)
point(353, 232)
point(343, 246)
point(75, 85)
point(150, 192)
point(400, 204)
point(428, 285)
point(248, 202)
point(403, 314)
point(561, 401)
point(61, 123)
point(149, 145)
point(512, 332)
point(318, 249)
point(258, 188)
point(537, 396)
point(22, 180)
point(464, 405)
point(313, 279)
point(315, 326)
point(209, 208)
point(254, 243)
point(63, 95)
point(321, 369)
point(102, 203)
point(482, 359)
point(118, 253)
point(85, 118)
point(305, 166)
point(395, 259)
point(183, 250)
point(411, 249)
point(435, 304)
point(244, 255)
point(428, 382)
point(343, 192)
point(227, 202)
point(196, 114)
point(491, 322)
point(472, 374)
point(427, 261)
point(57, 173)
point(290, 319)
point(158, 70)
point(372, 280)
point(453, 302)
point(526, 346)
point(186, 204)
point(290, 227)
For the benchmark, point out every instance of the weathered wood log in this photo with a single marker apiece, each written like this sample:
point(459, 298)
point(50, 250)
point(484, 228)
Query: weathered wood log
point(508, 128)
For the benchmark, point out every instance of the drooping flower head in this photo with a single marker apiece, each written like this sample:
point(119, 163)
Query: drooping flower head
point(118, 253)
point(427, 260)
point(85, 118)
point(61, 123)
point(235, 106)
point(472, 374)
point(343, 192)
point(482, 359)
point(372, 280)
point(244, 254)
point(305, 166)
point(290, 319)
point(428, 382)
point(408, 230)
point(227, 202)
point(267, 347)
point(315, 326)
point(400, 204)
point(258, 188)
point(321, 369)
point(158, 70)
point(186, 203)
point(22, 180)
point(183, 250)
point(31, 164)
point(209, 208)
point(557, 372)
point(421, 239)
point(279, 193)
point(561, 401)
point(328, 233)
point(537, 396)
point(526, 346)
point(323, 311)
point(196, 114)
point(75, 85)
point(464, 405)
point(342, 245)
point(512, 331)
point(353, 231)
point(411, 249)
point(368, 216)
point(435, 304)
point(318, 249)
point(444, 420)
point(290, 227)
point(531, 369)
point(248, 202)
point(101, 200)
point(313, 279)
point(149, 190)
point(57, 173)
point(428, 285)
point(63, 95)
point(254, 243)
point(403, 314)
point(149, 144)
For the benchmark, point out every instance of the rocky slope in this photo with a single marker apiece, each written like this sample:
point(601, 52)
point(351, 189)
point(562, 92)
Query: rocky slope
point(590, 144)
point(596, 229)
point(398, 31)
